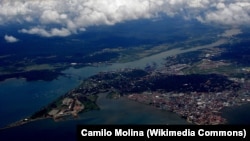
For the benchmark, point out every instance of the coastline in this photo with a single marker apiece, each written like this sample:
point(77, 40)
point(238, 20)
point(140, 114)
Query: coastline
point(105, 105)
point(146, 59)
point(237, 115)
point(122, 98)
point(23, 122)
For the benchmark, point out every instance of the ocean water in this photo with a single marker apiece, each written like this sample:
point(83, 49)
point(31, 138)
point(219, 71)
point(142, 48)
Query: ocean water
point(238, 115)
point(113, 112)
point(19, 99)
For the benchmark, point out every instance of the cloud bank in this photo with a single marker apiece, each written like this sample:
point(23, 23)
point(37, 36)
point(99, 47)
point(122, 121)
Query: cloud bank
point(10, 39)
point(73, 16)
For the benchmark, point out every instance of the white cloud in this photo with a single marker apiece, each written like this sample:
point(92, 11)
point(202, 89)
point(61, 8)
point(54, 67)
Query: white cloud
point(231, 32)
point(72, 16)
point(42, 32)
point(10, 39)
point(230, 14)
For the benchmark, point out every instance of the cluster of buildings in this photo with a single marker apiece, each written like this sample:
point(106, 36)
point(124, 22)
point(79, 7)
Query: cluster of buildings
point(69, 106)
point(196, 107)
point(206, 64)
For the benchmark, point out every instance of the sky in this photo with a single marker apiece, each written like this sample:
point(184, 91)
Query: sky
point(61, 18)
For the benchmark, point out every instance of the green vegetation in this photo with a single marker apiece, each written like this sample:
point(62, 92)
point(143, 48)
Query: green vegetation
point(40, 114)
point(113, 95)
point(89, 102)
point(226, 70)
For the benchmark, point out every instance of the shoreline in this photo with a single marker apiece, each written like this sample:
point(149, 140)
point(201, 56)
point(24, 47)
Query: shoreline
point(101, 98)
point(57, 72)
point(239, 113)
point(23, 122)
point(230, 108)
point(214, 44)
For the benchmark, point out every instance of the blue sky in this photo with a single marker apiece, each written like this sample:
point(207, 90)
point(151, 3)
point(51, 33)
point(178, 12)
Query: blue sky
point(50, 18)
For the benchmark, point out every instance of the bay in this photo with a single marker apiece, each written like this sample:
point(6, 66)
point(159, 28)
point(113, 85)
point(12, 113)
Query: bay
point(115, 112)
point(19, 99)
point(237, 115)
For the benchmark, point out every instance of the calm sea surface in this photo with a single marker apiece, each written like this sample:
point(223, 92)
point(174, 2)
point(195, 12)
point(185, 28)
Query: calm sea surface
point(121, 111)
point(19, 99)
point(238, 115)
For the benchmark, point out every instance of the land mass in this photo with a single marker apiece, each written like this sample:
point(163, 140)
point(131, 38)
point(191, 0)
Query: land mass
point(49, 65)
point(196, 97)
point(196, 85)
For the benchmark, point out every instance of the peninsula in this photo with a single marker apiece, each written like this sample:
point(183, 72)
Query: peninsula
point(196, 88)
